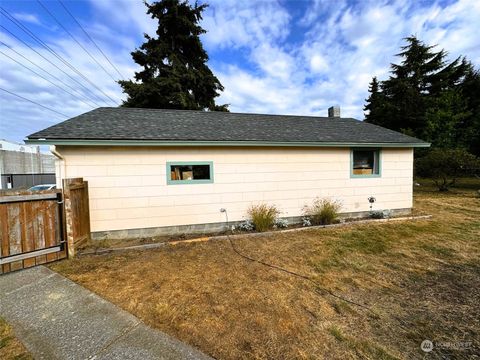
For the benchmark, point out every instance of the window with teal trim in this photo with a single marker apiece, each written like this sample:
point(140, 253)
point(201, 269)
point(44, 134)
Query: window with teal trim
point(189, 173)
point(365, 162)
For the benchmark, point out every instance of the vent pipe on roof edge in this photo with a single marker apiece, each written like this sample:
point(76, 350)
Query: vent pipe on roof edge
point(334, 111)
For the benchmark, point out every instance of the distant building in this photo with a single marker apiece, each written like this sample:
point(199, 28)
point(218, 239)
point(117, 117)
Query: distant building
point(22, 166)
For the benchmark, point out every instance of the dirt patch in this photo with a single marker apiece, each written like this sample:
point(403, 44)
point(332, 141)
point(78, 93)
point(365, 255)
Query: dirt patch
point(94, 245)
point(414, 281)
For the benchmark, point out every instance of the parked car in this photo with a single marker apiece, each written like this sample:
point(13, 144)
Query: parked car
point(43, 187)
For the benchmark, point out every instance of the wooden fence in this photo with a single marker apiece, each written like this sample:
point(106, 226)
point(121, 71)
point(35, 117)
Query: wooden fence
point(31, 230)
point(36, 228)
point(76, 213)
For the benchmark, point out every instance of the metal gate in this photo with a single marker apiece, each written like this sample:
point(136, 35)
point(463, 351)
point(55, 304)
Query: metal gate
point(32, 230)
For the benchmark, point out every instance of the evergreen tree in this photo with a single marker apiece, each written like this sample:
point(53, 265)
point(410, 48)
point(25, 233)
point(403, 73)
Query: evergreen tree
point(444, 118)
point(175, 74)
point(374, 105)
point(469, 134)
point(408, 87)
point(428, 98)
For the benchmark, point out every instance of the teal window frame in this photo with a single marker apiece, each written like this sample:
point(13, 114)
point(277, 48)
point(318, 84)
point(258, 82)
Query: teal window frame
point(360, 176)
point(186, 182)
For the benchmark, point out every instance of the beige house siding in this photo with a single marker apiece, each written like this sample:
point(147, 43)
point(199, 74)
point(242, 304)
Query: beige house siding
point(128, 185)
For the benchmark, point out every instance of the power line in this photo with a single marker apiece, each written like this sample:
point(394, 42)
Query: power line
point(53, 76)
point(34, 102)
point(74, 39)
point(53, 52)
point(93, 41)
point(39, 75)
point(55, 65)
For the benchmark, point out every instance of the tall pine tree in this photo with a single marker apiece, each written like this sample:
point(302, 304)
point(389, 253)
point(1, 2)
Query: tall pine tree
point(374, 104)
point(175, 74)
point(427, 97)
point(408, 87)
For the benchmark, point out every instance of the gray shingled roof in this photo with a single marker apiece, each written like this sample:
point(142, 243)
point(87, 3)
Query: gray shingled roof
point(183, 125)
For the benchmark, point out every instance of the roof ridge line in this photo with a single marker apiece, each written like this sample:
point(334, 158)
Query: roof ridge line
point(224, 112)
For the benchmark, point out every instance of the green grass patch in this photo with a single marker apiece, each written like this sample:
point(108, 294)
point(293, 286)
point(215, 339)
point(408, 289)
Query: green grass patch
point(365, 349)
point(367, 241)
point(5, 341)
point(336, 333)
point(438, 250)
point(342, 307)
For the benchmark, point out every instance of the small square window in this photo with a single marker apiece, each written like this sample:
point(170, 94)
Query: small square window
point(365, 163)
point(189, 173)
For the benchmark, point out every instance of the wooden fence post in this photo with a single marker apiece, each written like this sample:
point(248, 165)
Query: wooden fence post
point(77, 216)
point(67, 205)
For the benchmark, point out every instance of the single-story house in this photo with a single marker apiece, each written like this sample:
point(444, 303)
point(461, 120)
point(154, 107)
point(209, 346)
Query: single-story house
point(156, 171)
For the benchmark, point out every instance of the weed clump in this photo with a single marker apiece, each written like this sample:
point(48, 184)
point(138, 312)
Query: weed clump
point(322, 211)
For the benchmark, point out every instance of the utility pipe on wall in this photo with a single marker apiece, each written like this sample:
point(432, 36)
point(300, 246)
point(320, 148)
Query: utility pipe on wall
point(54, 151)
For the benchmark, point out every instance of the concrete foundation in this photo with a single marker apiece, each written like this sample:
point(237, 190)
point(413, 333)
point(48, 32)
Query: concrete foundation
point(212, 228)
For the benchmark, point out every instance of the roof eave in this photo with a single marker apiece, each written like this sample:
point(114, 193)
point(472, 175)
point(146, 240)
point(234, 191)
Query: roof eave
point(82, 142)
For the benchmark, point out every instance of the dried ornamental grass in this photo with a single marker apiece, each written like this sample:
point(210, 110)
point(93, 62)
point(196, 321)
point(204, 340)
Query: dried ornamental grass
point(263, 216)
point(322, 211)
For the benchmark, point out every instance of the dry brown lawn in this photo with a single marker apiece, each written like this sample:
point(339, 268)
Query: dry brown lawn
point(10, 347)
point(415, 280)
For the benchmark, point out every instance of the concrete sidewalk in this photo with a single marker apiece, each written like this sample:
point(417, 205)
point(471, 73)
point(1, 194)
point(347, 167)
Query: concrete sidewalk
point(57, 319)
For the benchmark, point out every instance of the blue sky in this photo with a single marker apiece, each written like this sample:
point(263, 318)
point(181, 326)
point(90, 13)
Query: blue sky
point(278, 57)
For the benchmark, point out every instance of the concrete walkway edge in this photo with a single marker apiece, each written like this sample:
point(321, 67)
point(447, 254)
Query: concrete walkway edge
point(56, 318)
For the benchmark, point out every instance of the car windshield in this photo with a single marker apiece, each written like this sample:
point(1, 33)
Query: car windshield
point(40, 187)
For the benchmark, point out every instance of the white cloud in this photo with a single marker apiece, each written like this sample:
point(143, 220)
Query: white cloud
point(30, 18)
point(273, 61)
point(338, 56)
point(318, 63)
point(231, 23)
point(131, 15)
